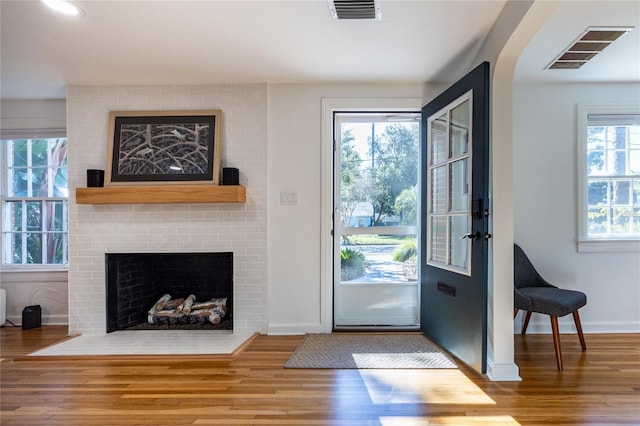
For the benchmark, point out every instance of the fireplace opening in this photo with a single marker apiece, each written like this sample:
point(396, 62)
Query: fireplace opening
point(194, 291)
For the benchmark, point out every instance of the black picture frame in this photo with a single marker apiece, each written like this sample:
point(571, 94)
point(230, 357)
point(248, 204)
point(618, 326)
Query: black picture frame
point(147, 147)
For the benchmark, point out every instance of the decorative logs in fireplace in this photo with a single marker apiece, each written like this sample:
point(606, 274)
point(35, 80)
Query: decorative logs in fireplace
point(186, 311)
point(137, 281)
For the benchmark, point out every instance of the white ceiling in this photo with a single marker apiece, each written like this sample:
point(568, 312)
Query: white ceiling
point(619, 62)
point(242, 41)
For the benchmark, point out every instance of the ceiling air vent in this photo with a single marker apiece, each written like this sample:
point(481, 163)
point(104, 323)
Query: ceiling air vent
point(593, 41)
point(355, 9)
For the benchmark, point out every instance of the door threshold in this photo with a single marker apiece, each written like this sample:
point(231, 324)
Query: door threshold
point(378, 328)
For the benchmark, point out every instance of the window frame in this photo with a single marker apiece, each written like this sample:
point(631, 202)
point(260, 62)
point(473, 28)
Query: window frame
point(4, 198)
point(585, 243)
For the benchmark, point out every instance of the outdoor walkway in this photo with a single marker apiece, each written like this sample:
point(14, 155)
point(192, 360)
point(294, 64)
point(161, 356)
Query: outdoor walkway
point(380, 266)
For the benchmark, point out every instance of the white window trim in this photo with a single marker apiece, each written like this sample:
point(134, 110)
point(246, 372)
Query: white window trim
point(28, 134)
point(447, 265)
point(586, 244)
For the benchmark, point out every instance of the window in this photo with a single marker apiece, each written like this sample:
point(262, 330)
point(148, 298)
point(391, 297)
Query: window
point(34, 201)
point(610, 178)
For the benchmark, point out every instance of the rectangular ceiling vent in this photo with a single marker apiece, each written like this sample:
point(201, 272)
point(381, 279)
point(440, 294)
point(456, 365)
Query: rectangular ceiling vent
point(355, 9)
point(593, 41)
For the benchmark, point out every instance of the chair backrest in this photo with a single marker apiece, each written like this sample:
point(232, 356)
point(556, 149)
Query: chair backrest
point(525, 275)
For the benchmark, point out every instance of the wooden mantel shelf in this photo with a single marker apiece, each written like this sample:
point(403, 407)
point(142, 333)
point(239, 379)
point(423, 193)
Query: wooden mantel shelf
point(161, 194)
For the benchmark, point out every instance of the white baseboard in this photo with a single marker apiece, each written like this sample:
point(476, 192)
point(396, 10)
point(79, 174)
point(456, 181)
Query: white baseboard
point(566, 326)
point(46, 319)
point(293, 329)
point(503, 372)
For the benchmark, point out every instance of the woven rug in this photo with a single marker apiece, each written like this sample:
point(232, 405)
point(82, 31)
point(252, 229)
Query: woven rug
point(368, 351)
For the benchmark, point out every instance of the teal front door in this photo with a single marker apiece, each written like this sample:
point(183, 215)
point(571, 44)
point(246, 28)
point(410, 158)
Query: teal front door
point(454, 218)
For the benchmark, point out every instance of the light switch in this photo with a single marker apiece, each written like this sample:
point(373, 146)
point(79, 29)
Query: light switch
point(288, 198)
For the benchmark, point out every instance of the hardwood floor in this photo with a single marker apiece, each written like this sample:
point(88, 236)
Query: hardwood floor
point(601, 386)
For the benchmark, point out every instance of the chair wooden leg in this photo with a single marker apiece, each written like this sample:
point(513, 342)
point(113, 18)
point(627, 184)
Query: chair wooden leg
point(576, 319)
point(556, 341)
point(525, 323)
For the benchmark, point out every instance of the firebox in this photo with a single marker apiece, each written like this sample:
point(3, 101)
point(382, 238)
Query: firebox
point(138, 282)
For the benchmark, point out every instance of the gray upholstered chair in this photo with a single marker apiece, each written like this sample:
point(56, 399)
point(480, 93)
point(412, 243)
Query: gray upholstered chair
point(533, 294)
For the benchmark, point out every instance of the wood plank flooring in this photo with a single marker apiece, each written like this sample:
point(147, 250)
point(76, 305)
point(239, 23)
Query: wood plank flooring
point(601, 386)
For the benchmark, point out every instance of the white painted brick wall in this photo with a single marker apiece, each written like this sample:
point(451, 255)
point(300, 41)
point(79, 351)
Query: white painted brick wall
point(97, 229)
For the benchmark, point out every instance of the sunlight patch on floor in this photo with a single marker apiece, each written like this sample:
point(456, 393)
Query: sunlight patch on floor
point(405, 359)
point(449, 420)
point(428, 386)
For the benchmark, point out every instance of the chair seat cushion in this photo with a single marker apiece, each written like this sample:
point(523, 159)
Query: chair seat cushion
point(554, 301)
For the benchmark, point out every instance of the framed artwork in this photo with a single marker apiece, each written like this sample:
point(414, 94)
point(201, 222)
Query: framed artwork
point(163, 147)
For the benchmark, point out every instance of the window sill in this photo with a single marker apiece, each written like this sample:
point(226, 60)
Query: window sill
point(608, 246)
point(34, 268)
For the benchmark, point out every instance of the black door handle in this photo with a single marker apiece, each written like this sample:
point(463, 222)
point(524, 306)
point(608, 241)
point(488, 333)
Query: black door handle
point(473, 236)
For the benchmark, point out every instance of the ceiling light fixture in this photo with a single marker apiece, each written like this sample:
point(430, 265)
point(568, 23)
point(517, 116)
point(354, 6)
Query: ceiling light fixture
point(593, 41)
point(65, 7)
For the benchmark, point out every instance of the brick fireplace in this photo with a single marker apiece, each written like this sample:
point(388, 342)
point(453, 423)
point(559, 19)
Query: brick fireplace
point(136, 281)
point(240, 228)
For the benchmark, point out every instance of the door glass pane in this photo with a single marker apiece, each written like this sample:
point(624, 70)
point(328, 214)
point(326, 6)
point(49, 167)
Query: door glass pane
point(439, 189)
point(378, 199)
point(459, 187)
point(439, 144)
point(459, 246)
point(378, 172)
point(378, 258)
point(439, 239)
point(460, 129)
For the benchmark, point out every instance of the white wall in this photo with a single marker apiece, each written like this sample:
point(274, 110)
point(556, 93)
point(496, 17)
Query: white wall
point(545, 198)
point(97, 229)
point(47, 288)
point(512, 31)
point(294, 231)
